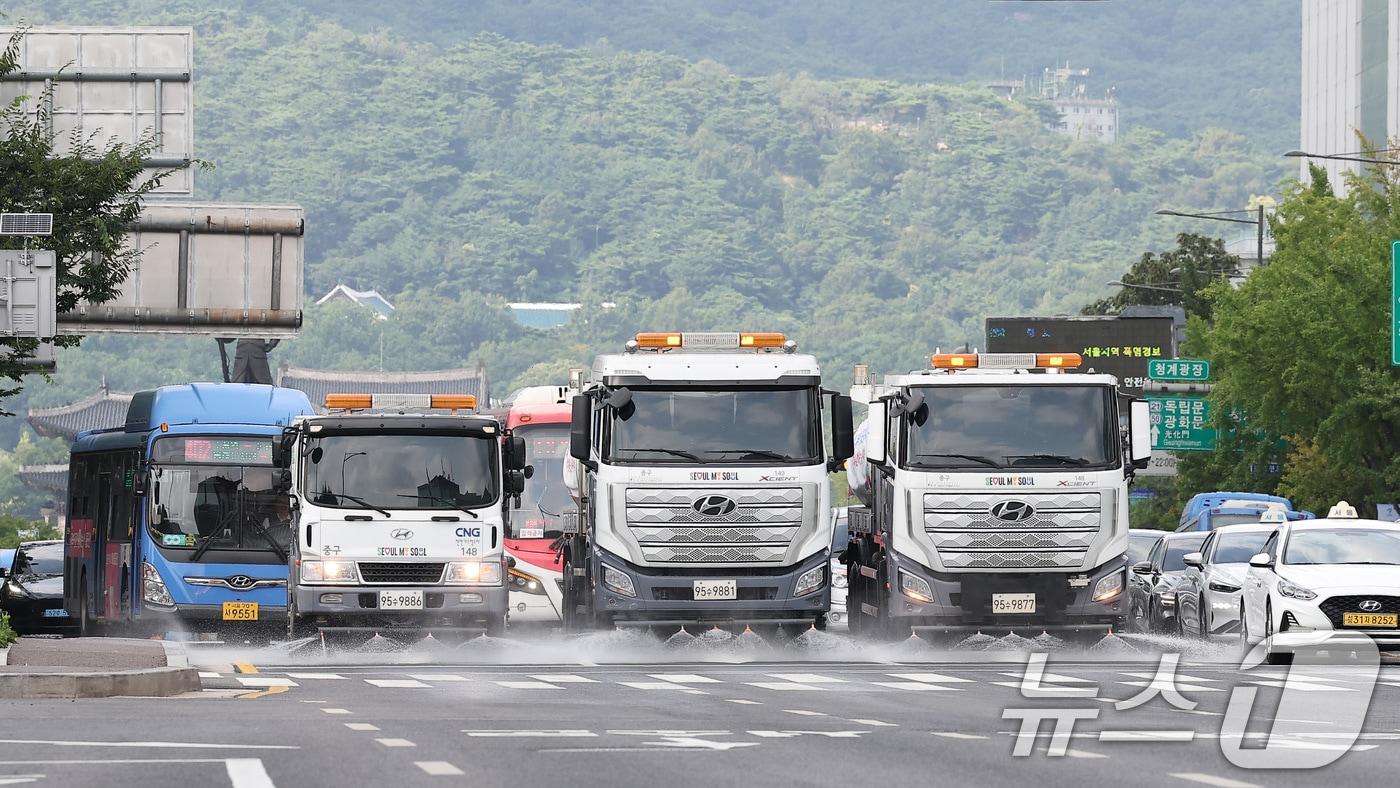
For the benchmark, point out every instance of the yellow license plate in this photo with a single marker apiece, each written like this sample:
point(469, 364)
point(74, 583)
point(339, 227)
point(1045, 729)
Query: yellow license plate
point(248, 611)
point(1369, 620)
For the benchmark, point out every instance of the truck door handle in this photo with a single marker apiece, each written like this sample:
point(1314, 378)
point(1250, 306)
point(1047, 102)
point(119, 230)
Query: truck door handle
point(358, 518)
point(308, 534)
point(446, 519)
point(493, 537)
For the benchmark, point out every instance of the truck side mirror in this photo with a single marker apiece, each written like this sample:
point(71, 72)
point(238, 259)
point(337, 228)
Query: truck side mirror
point(515, 482)
point(581, 431)
point(843, 433)
point(141, 483)
point(515, 453)
point(875, 436)
point(1140, 434)
point(282, 448)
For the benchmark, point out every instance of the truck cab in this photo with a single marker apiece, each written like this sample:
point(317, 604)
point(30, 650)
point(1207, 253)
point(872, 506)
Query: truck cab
point(400, 515)
point(995, 492)
point(702, 484)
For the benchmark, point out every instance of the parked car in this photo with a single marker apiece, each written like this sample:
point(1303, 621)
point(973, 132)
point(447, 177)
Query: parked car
point(1161, 574)
point(32, 592)
point(1209, 600)
point(1338, 573)
point(1140, 544)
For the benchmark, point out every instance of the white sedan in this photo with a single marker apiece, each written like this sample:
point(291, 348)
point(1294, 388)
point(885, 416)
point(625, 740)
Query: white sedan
point(1340, 573)
point(1210, 605)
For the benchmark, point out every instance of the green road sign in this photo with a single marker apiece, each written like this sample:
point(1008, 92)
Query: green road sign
point(1181, 424)
point(1395, 303)
point(1178, 369)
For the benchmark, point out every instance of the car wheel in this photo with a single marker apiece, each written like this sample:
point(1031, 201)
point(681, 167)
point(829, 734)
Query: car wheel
point(1137, 619)
point(496, 625)
point(1244, 628)
point(1273, 657)
point(1203, 619)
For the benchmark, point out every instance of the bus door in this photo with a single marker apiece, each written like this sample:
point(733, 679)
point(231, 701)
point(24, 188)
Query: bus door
point(115, 503)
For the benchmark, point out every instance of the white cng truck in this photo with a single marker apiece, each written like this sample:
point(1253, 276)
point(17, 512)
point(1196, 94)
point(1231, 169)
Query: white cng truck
point(702, 484)
point(399, 514)
point(995, 492)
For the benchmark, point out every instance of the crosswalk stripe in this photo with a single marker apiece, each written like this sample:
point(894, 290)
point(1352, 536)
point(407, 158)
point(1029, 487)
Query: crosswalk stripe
point(684, 678)
point(315, 675)
point(932, 678)
point(438, 768)
point(396, 683)
point(782, 685)
point(260, 681)
point(528, 685)
point(438, 677)
point(662, 685)
point(806, 678)
point(563, 678)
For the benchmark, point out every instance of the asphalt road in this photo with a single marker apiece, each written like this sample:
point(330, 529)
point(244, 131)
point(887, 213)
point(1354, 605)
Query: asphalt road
point(366, 719)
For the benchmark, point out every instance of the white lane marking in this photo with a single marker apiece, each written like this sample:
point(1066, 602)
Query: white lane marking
point(806, 713)
point(662, 685)
point(1210, 779)
point(336, 711)
point(395, 683)
point(438, 677)
point(396, 742)
point(1084, 754)
point(614, 749)
point(160, 745)
point(932, 678)
point(257, 681)
point(438, 768)
point(528, 685)
point(313, 701)
point(1118, 736)
point(782, 685)
point(361, 726)
point(1178, 677)
point(1304, 686)
point(1051, 678)
point(684, 678)
point(563, 678)
point(205, 674)
point(876, 723)
point(1167, 684)
point(956, 735)
point(807, 678)
point(915, 686)
point(247, 773)
point(17, 779)
point(522, 734)
point(744, 701)
point(315, 675)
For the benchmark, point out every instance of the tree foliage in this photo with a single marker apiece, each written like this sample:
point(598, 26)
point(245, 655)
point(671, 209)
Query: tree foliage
point(1180, 277)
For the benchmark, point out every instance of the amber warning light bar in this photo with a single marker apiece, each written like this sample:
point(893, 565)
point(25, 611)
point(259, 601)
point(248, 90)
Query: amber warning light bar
point(400, 401)
point(710, 340)
point(1006, 361)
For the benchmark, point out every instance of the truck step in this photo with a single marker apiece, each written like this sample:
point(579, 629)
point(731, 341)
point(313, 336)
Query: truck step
point(869, 571)
point(869, 610)
point(578, 572)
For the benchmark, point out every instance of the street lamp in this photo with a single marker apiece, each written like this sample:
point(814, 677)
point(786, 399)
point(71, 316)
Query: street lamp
point(1116, 283)
point(1224, 216)
point(1367, 158)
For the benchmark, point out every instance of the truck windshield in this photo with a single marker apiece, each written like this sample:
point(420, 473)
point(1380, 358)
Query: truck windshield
point(740, 425)
point(1013, 426)
point(230, 507)
point(546, 496)
point(406, 470)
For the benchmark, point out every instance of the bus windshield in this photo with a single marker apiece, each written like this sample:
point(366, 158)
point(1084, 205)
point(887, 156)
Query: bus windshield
point(740, 425)
point(1013, 426)
point(546, 497)
point(201, 499)
point(403, 470)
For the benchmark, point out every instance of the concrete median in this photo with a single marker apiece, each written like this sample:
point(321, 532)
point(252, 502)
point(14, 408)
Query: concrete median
point(94, 668)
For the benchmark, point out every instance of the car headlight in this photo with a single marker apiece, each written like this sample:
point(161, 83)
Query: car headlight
point(810, 581)
point(618, 581)
point(1108, 587)
point(1168, 599)
point(1224, 588)
point(477, 573)
point(838, 575)
point(525, 583)
point(328, 572)
point(153, 588)
point(915, 588)
point(1294, 591)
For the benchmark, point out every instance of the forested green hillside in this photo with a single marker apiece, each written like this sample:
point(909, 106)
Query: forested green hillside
point(872, 220)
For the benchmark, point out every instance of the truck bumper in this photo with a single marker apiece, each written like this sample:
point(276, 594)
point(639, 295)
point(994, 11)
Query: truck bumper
point(665, 595)
point(963, 601)
point(360, 604)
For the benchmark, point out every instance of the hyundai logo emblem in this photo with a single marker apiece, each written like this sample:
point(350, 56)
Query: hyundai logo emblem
point(1370, 605)
point(240, 581)
point(714, 505)
point(402, 534)
point(1013, 511)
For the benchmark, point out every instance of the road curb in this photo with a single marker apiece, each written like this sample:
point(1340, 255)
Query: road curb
point(150, 682)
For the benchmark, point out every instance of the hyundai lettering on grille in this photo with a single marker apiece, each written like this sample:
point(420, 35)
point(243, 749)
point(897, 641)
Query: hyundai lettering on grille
point(714, 505)
point(1012, 511)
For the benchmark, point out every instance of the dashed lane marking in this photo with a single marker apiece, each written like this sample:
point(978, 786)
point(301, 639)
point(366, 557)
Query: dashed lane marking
point(336, 711)
point(396, 742)
point(913, 686)
point(807, 678)
point(744, 701)
point(806, 713)
point(782, 685)
point(684, 678)
point(316, 676)
point(875, 723)
point(1084, 754)
point(662, 685)
point(956, 735)
point(930, 678)
point(361, 726)
point(397, 683)
point(247, 773)
point(562, 678)
point(528, 685)
point(438, 768)
point(1210, 779)
point(517, 734)
point(266, 682)
point(158, 745)
point(437, 677)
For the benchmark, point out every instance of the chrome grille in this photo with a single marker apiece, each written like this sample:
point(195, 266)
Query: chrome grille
point(669, 528)
point(402, 572)
point(967, 535)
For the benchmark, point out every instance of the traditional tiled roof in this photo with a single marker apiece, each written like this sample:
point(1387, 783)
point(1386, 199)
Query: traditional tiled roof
point(317, 383)
point(102, 410)
point(45, 478)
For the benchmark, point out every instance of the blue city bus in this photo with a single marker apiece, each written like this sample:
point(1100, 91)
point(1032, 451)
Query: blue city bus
point(1208, 511)
point(179, 520)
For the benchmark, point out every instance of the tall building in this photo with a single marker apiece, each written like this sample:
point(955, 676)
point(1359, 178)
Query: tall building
point(1082, 116)
point(1351, 75)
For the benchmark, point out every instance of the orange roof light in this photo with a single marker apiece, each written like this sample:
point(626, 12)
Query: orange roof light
point(348, 401)
point(955, 360)
point(1058, 360)
point(762, 339)
point(453, 401)
point(659, 339)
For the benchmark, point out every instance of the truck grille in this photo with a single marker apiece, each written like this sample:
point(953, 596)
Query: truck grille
point(1055, 535)
point(388, 572)
point(690, 525)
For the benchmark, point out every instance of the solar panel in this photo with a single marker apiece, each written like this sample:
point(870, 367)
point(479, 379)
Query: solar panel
point(26, 224)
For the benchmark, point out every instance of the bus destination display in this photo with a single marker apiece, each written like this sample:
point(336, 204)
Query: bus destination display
point(215, 451)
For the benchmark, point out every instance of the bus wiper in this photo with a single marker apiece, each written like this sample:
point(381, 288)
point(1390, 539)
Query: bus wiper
point(977, 458)
point(444, 499)
point(750, 454)
point(360, 501)
point(277, 548)
point(674, 452)
point(1063, 459)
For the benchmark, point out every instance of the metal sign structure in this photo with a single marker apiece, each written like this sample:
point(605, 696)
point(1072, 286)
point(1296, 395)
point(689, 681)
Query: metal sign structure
point(215, 269)
point(1181, 424)
point(1118, 346)
point(113, 83)
point(1163, 464)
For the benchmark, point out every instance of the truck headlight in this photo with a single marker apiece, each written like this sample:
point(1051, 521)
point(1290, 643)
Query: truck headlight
point(838, 575)
point(525, 583)
point(810, 581)
point(618, 581)
point(1294, 591)
point(915, 588)
point(328, 572)
point(1108, 587)
point(476, 573)
point(153, 588)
